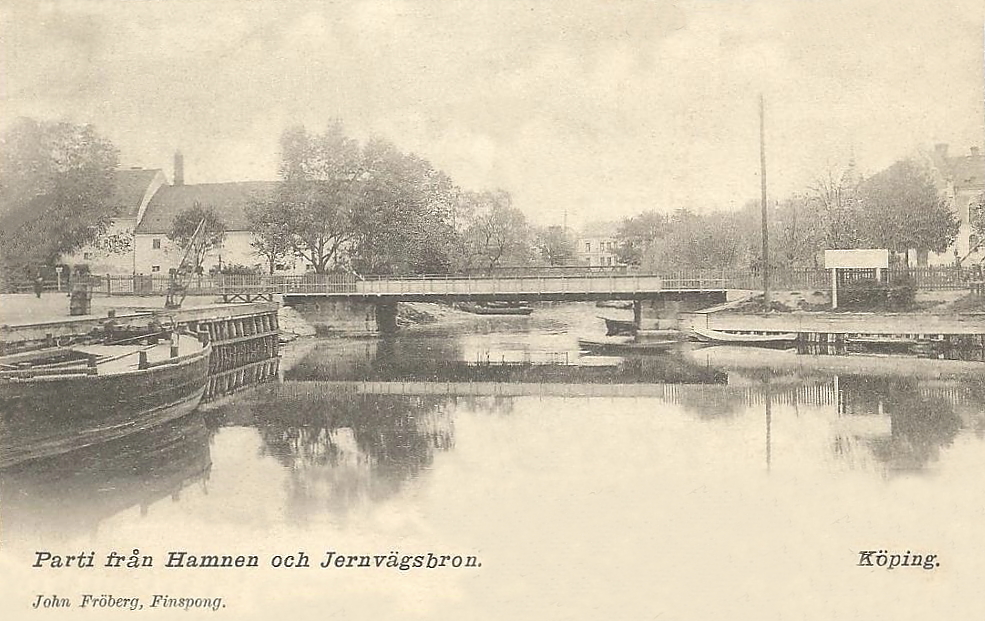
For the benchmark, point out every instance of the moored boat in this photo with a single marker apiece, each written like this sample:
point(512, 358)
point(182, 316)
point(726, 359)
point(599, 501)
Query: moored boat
point(494, 309)
point(62, 399)
point(628, 346)
point(615, 327)
point(706, 335)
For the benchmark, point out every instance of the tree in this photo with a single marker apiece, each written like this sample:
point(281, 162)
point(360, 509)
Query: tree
point(317, 194)
point(903, 210)
point(837, 204)
point(496, 233)
point(637, 234)
point(271, 235)
point(405, 213)
point(556, 245)
point(55, 182)
point(183, 229)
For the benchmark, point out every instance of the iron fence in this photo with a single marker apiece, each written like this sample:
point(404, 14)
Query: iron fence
point(927, 278)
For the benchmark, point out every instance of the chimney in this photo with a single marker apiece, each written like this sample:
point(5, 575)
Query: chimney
point(179, 168)
point(974, 151)
point(941, 148)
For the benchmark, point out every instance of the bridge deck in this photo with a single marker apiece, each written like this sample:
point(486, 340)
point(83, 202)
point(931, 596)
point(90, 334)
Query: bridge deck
point(507, 288)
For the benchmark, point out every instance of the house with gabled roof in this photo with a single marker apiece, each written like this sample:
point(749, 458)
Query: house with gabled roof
point(113, 252)
point(960, 178)
point(145, 206)
point(155, 252)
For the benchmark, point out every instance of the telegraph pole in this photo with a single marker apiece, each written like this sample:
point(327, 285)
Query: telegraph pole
point(767, 300)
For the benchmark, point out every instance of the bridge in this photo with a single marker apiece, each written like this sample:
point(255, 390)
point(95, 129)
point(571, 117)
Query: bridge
point(501, 288)
point(351, 296)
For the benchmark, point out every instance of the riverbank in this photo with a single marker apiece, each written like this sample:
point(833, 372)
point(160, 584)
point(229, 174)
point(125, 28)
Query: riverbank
point(936, 302)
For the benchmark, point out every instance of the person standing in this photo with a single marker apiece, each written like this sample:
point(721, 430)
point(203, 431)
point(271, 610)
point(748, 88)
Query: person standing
point(38, 285)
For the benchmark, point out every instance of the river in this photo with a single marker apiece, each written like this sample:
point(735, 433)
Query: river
point(706, 483)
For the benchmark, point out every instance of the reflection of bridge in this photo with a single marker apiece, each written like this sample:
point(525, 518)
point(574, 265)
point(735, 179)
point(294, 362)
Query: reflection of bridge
point(821, 394)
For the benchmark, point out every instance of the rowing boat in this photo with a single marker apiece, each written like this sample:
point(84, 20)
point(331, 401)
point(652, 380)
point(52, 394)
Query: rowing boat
point(706, 335)
point(625, 346)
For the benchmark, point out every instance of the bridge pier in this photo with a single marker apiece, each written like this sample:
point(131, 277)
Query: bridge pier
point(345, 317)
point(662, 312)
point(328, 316)
point(386, 317)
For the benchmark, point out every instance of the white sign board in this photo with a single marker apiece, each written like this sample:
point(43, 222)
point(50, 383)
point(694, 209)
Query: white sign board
point(848, 259)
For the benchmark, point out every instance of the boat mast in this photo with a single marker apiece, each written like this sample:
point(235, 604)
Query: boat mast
point(762, 180)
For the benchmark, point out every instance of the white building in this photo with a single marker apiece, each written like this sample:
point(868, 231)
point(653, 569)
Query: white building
point(961, 179)
point(155, 253)
point(597, 245)
point(145, 206)
point(113, 252)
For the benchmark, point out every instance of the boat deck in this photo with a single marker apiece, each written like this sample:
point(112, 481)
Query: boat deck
point(113, 359)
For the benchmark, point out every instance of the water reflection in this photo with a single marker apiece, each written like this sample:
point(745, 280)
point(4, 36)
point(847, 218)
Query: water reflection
point(352, 423)
point(922, 416)
point(73, 493)
point(444, 360)
point(341, 448)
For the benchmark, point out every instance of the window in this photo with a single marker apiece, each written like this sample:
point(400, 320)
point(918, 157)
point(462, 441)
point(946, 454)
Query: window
point(86, 255)
point(588, 246)
point(156, 244)
point(155, 268)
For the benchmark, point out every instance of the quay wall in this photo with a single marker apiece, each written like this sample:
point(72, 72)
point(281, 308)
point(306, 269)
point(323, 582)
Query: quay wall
point(837, 323)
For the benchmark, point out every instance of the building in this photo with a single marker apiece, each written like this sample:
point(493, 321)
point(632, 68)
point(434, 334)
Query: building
point(113, 252)
point(961, 179)
point(145, 205)
point(597, 245)
point(154, 252)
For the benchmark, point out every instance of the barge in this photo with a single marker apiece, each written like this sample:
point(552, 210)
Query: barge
point(57, 400)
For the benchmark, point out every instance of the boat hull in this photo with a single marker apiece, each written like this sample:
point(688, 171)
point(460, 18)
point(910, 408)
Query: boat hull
point(480, 309)
point(632, 347)
point(616, 327)
point(729, 338)
point(46, 416)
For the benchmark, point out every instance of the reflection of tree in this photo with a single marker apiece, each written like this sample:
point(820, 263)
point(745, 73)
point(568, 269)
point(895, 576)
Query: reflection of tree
point(921, 422)
point(342, 449)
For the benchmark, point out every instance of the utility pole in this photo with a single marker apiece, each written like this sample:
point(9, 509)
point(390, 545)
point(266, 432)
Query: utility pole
point(767, 299)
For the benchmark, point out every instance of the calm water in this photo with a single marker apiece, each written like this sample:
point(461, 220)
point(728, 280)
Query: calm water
point(705, 484)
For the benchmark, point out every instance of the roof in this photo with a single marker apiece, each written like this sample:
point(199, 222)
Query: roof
point(967, 171)
point(131, 186)
point(228, 199)
point(600, 229)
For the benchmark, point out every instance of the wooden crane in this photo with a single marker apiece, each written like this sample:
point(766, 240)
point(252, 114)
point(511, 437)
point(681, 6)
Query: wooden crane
point(180, 277)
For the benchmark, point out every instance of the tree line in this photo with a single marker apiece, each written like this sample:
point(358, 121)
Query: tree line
point(338, 205)
point(898, 209)
point(344, 206)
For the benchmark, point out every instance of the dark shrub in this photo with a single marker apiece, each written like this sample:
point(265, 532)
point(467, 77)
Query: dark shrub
point(870, 294)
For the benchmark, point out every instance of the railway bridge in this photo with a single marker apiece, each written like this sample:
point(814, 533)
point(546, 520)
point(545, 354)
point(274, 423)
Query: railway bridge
point(382, 294)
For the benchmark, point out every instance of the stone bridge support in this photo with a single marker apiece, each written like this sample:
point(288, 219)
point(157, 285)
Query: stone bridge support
point(663, 312)
point(347, 317)
point(386, 317)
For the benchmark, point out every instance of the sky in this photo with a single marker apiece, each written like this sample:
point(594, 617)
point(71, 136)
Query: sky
point(582, 110)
